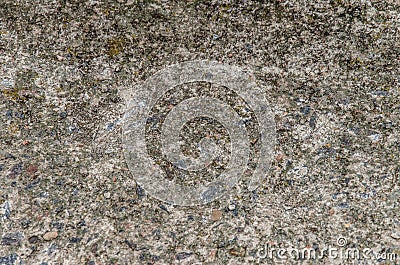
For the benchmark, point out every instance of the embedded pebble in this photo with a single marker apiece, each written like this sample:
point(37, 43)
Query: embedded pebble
point(216, 215)
point(50, 235)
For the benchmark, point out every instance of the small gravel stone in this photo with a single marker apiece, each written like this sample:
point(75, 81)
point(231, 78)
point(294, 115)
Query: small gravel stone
point(33, 239)
point(50, 235)
point(238, 252)
point(216, 215)
point(183, 255)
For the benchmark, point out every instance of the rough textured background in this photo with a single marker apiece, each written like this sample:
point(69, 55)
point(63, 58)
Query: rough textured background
point(331, 72)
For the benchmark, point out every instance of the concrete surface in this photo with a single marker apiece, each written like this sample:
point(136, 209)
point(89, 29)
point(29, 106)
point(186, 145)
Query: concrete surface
point(329, 69)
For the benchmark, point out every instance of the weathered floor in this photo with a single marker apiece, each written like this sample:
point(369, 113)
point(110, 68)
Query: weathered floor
point(330, 71)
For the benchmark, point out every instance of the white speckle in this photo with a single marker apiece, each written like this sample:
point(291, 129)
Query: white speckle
point(395, 235)
point(7, 83)
point(374, 137)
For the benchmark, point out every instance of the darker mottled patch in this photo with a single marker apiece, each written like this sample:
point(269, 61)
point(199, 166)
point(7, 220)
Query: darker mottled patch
point(12, 239)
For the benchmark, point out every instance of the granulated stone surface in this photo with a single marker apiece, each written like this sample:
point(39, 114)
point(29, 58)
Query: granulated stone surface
point(330, 71)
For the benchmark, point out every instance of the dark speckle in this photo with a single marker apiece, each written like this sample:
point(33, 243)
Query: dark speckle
point(9, 114)
point(19, 115)
point(10, 156)
point(130, 244)
point(343, 205)
point(140, 192)
point(7, 212)
point(75, 239)
point(162, 206)
point(305, 110)
point(142, 256)
point(110, 126)
point(57, 225)
point(32, 184)
point(380, 93)
point(249, 47)
point(157, 234)
point(183, 255)
point(25, 223)
point(60, 182)
point(313, 120)
point(81, 223)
